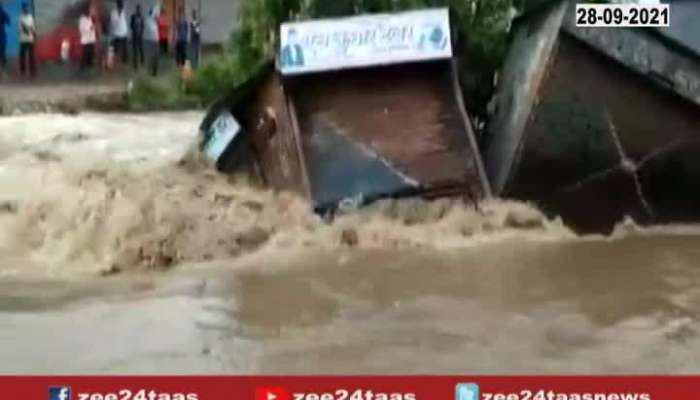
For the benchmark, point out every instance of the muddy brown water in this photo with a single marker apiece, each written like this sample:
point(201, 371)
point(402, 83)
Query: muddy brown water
point(115, 258)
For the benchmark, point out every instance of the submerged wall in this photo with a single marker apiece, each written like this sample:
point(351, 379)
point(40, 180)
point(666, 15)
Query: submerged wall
point(387, 131)
point(604, 143)
point(603, 125)
point(522, 74)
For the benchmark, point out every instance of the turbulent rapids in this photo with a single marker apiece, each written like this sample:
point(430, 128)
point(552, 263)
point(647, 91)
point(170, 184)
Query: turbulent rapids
point(257, 283)
point(100, 194)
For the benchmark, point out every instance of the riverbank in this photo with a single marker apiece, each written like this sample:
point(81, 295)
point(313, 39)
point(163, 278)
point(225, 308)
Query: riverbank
point(71, 98)
point(63, 88)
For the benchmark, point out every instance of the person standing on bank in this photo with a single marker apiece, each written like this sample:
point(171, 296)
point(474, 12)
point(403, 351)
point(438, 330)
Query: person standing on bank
point(182, 32)
point(163, 32)
point(4, 21)
point(88, 38)
point(102, 27)
point(120, 31)
point(152, 43)
point(27, 36)
point(195, 39)
point(137, 30)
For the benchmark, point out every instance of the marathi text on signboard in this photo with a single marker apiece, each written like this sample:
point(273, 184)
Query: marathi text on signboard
point(363, 41)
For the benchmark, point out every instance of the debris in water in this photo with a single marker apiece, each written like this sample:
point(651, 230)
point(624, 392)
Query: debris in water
point(10, 207)
point(349, 237)
point(114, 269)
point(198, 191)
point(223, 199)
point(253, 237)
point(524, 219)
point(253, 205)
point(43, 155)
point(70, 138)
point(159, 256)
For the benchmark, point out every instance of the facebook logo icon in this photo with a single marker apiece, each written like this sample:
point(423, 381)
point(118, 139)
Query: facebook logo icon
point(467, 391)
point(59, 393)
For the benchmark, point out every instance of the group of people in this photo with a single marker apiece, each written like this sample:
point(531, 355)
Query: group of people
point(149, 35)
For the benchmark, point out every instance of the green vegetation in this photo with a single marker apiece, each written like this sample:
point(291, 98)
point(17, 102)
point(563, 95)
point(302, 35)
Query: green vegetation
point(164, 92)
point(481, 33)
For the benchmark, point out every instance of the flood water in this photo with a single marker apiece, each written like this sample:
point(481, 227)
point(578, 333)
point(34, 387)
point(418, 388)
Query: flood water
point(118, 257)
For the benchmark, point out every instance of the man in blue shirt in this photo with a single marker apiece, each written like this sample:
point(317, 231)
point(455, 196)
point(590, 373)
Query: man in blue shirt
point(4, 21)
point(292, 53)
point(438, 38)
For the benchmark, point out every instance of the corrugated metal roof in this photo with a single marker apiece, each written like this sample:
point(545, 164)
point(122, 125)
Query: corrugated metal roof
point(685, 23)
point(685, 19)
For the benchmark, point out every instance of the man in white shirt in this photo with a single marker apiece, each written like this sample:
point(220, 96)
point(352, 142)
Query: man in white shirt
point(88, 37)
point(27, 35)
point(119, 30)
point(195, 38)
point(152, 40)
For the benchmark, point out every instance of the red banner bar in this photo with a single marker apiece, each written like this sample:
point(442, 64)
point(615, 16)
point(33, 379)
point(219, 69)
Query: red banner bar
point(350, 388)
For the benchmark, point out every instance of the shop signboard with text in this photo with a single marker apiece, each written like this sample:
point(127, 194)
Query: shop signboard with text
point(364, 41)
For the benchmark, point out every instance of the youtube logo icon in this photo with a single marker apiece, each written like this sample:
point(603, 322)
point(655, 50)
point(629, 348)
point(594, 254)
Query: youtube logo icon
point(271, 394)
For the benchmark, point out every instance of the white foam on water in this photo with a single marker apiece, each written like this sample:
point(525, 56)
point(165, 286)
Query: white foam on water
point(95, 192)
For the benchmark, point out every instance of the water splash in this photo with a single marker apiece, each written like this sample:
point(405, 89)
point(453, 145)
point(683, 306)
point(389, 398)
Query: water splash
point(101, 194)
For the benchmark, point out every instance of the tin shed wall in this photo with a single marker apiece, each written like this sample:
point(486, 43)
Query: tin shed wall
point(518, 90)
point(383, 131)
point(605, 142)
point(276, 151)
